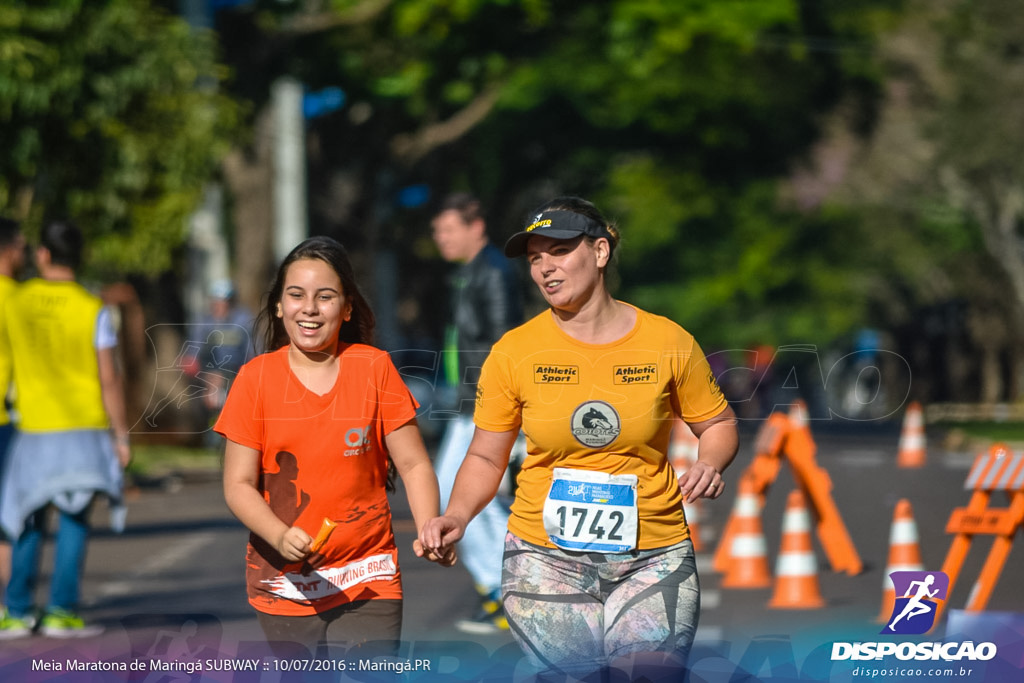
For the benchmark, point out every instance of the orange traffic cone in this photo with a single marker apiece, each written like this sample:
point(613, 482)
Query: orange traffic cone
point(747, 499)
point(682, 453)
point(904, 554)
point(748, 550)
point(796, 571)
point(912, 443)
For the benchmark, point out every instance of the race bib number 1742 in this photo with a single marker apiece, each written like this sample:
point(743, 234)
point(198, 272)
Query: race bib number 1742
point(591, 511)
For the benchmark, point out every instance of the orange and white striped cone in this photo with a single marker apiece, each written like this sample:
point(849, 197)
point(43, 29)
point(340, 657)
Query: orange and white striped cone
point(912, 451)
point(904, 554)
point(682, 453)
point(748, 550)
point(796, 570)
point(747, 502)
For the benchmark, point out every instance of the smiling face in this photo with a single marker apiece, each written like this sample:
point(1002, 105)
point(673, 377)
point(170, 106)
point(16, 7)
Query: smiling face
point(313, 306)
point(567, 272)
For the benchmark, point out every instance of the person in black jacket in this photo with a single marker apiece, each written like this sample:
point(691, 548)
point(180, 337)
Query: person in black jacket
point(486, 296)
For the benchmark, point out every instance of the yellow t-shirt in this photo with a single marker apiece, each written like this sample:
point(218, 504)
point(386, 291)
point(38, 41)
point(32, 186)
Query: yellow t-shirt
point(606, 408)
point(7, 286)
point(52, 331)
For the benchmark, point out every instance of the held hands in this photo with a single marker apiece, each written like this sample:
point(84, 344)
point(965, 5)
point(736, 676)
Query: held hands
point(437, 539)
point(446, 559)
point(701, 481)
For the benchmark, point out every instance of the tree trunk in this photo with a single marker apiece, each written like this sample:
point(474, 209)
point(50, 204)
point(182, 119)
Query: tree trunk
point(249, 175)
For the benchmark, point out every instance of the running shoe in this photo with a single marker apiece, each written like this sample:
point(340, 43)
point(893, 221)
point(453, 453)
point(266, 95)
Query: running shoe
point(489, 619)
point(12, 627)
point(60, 623)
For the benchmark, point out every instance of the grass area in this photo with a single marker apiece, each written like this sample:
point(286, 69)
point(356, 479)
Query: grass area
point(1012, 432)
point(153, 460)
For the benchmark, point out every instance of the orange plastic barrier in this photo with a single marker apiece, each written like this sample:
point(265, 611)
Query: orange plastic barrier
point(789, 437)
point(801, 451)
point(998, 470)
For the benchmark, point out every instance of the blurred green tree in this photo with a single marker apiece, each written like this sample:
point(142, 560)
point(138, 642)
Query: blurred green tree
point(109, 115)
point(936, 196)
point(679, 118)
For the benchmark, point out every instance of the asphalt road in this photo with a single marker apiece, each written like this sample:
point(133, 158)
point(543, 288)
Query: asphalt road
point(172, 586)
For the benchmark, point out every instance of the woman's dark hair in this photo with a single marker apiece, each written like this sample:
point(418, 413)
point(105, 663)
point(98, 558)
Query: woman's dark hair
point(65, 243)
point(585, 208)
point(357, 330)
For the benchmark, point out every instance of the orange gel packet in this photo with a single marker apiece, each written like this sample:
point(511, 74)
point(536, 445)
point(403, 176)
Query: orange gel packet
point(321, 537)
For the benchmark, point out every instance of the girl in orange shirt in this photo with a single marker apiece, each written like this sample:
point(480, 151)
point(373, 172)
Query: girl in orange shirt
point(313, 427)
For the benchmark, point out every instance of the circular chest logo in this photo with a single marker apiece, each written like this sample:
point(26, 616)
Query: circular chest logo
point(595, 424)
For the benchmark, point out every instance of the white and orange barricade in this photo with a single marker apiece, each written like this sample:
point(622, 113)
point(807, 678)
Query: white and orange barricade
point(789, 438)
point(801, 453)
point(1000, 469)
point(904, 554)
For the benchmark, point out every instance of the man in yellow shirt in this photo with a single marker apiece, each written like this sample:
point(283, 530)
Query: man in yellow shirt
point(72, 440)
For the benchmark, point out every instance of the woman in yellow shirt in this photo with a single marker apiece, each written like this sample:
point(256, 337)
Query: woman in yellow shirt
point(598, 563)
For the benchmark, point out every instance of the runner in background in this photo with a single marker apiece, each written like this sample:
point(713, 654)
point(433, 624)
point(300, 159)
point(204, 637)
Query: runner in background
point(226, 344)
point(486, 301)
point(12, 258)
point(598, 561)
point(312, 426)
point(72, 441)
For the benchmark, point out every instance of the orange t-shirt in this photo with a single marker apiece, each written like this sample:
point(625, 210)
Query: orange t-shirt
point(322, 456)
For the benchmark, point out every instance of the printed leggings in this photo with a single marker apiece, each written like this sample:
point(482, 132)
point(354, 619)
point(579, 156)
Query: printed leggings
point(571, 610)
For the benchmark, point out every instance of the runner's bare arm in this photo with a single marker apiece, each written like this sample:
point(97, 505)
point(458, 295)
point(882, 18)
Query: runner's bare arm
point(717, 442)
point(241, 492)
point(413, 464)
point(475, 486)
point(112, 394)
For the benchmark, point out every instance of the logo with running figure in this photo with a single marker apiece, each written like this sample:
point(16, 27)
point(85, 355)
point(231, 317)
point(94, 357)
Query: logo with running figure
point(595, 424)
point(917, 600)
